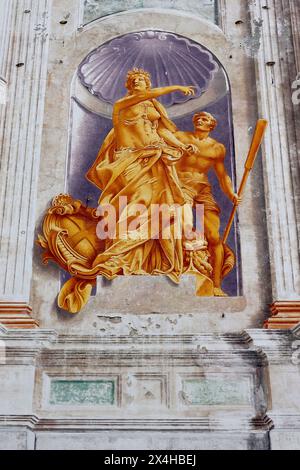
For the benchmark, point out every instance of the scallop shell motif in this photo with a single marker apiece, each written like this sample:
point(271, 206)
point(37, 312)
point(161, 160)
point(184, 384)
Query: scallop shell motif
point(170, 59)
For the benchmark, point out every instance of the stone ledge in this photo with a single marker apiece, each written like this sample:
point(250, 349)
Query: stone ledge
point(234, 423)
point(285, 315)
point(17, 315)
point(49, 348)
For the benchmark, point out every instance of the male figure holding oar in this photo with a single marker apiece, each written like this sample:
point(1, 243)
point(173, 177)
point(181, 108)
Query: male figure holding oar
point(192, 171)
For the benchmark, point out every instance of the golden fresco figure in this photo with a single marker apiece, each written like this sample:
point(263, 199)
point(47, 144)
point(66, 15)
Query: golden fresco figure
point(145, 166)
point(192, 171)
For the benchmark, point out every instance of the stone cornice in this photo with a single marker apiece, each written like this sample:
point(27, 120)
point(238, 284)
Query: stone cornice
point(234, 423)
point(50, 349)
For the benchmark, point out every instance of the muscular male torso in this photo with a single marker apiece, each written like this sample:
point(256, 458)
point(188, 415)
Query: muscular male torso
point(209, 151)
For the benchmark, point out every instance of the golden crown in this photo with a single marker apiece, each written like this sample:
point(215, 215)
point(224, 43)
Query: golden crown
point(136, 71)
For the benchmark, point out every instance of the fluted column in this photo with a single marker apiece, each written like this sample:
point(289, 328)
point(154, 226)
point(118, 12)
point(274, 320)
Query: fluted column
point(23, 65)
point(294, 7)
point(275, 72)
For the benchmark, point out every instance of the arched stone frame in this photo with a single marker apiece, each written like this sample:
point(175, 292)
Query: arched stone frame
point(239, 68)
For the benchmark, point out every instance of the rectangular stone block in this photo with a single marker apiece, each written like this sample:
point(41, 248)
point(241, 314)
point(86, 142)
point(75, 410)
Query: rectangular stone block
point(82, 392)
point(215, 391)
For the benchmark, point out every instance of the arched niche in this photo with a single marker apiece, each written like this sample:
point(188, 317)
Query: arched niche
point(171, 59)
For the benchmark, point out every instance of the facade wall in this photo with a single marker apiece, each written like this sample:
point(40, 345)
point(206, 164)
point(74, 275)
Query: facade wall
point(177, 370)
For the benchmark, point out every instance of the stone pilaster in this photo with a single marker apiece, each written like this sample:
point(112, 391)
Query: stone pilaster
point(276, 71)
point(23, 65)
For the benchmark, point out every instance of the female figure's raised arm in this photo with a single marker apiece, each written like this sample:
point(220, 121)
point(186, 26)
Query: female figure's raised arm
point(149, 94)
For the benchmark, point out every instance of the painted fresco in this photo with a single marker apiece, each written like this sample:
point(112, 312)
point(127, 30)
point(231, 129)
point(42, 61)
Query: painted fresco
point(155, 199)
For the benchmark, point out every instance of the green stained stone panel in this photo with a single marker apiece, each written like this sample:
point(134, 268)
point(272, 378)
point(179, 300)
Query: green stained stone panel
point(216, 392)
point(82, 392)
point(94, 9)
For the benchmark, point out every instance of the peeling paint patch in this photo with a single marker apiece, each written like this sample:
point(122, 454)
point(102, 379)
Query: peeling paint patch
point(114, 320)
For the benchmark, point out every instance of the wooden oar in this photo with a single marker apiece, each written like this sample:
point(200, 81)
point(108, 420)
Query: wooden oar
point(255, 145)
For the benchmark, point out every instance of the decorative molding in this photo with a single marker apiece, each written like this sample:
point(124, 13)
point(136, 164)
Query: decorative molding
point(239, 423)
point(37, 337)
point(284, 315)
point(52, 350)
point(276, 344)
point(17, 315)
